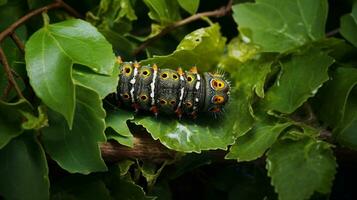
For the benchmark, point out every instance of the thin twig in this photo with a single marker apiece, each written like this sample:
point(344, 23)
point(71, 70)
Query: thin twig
point(10, 31)
point(18, 42)
point(56, 4)
point(7, 90)
point(9, 74)
point(70, 10)
point(215, 13)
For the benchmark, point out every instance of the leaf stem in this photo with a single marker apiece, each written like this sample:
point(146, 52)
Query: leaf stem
point(215, 13)
point(46, 18)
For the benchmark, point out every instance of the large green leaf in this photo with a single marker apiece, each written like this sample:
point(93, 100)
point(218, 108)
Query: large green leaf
point(50, 54)
point(77, 149)
point(280, 25)
point(117, 120)
point(10, 120)
point(23, 169)
point(204, 133)
point(254, 144)
point(349, 25)
point(300, 78)
point(342, 116)
point(298, 168)
point(190, 6)
point(202, 48)
point(163, 11)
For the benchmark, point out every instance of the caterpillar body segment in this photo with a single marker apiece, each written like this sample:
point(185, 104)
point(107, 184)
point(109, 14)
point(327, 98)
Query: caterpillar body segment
point(170, 91)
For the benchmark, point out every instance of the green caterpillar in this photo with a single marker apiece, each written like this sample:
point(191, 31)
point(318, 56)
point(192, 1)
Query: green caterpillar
point(168, 91)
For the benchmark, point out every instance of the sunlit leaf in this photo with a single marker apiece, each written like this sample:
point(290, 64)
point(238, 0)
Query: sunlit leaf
point(279, 25)
point(190, 6)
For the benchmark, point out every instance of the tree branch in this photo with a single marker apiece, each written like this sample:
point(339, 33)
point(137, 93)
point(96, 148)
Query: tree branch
point(332, 33)
point(56, 4)
point(10, 31)
point(145, 148)
point(18, 42)
point(215, 13)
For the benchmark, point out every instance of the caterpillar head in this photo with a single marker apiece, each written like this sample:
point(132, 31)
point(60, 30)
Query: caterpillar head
point(217, 92)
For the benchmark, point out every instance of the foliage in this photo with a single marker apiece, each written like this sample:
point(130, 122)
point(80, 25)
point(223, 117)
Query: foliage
point(291, 84)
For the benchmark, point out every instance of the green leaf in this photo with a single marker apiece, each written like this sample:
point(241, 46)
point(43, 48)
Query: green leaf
point(204, 133)
point(254, 144)
point(151, 172)
point(349, 25)
point(240, 50)
point(249, 80)
point(114, 20)
point(346, 131)
point(279, 25)
point(23, 169)
point(306, 164)
point(102, 84)
point(341, 117)
point(190, 6)
point(77, 149)
point(124, 166)
point(336, 93)
point(50, 54)
point(11, 119)
point(124, 140)
point(300, 78)
point(203, 48)
point(35, 122)
point(117, 121)
point(163, 11)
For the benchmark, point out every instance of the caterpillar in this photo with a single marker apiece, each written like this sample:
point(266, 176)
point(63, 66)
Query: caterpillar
point(171, 91)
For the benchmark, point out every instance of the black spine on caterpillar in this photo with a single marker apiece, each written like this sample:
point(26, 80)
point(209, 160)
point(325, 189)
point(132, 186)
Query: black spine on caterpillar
point(169, 91)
